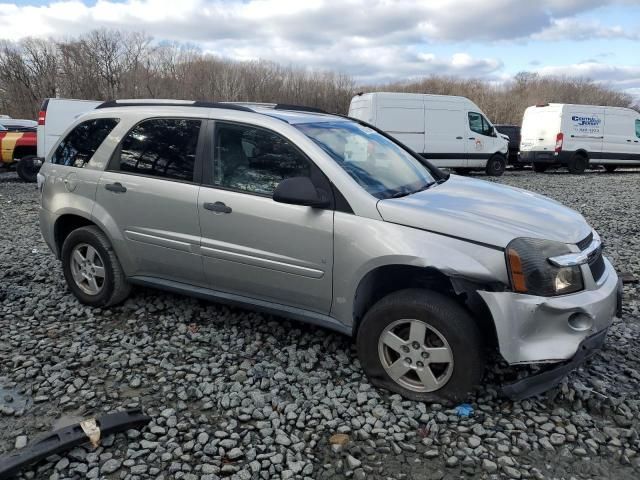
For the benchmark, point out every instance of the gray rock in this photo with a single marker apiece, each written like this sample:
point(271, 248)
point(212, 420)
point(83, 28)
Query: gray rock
point(353, 462)
point(110, 466)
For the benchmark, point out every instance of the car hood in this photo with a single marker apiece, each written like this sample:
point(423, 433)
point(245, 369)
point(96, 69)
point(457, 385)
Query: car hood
point(485, 212)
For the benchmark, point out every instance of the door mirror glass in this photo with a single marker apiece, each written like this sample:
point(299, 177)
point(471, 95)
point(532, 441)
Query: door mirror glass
point(300, 191)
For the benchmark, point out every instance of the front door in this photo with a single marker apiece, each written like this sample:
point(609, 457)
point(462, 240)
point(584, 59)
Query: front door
point(149, 194)
point(480, 140)
point(251, 245)
point(445, 137)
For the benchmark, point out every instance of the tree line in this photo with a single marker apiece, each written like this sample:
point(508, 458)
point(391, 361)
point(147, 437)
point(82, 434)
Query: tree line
point(111, 64)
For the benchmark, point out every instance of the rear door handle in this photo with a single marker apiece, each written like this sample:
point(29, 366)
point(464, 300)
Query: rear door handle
point(458, 138)
point(472, 138)
point(219, 207)
point(115, 187)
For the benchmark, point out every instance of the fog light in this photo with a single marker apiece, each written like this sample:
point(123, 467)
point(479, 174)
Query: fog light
point(580, 322)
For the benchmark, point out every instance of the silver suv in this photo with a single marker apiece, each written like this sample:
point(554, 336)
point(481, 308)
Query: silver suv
point(328, 220)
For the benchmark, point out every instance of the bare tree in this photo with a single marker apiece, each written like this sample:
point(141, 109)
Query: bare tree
point(110, 64)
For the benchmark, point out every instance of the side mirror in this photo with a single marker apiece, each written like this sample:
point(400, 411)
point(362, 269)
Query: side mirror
point(300, 191)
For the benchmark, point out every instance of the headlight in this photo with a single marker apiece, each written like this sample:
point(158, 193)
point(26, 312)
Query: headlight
point(531, 272)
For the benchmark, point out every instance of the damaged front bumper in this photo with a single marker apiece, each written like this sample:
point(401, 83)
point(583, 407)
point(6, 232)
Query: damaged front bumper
point(561, 330)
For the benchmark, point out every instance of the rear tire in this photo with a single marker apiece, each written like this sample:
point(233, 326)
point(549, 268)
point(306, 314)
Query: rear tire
point(88, 255)
point(540, 167)
point(610, 168)
point(578, 163)
point(28, 169)
point(441, 326)
point(496, 165)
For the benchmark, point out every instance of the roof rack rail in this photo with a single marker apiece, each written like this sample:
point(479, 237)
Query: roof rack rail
point(298, 108)
point(171, 103)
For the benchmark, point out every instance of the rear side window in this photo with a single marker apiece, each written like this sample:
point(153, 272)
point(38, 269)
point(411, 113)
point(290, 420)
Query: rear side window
point(161, 147)
point(81, 143)
point(638, 128)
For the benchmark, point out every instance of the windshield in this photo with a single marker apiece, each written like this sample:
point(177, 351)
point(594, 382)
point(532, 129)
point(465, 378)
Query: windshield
point(380, 166)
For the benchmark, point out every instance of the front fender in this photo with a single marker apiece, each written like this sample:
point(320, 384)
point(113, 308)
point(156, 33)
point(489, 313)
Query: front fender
point(362, 245)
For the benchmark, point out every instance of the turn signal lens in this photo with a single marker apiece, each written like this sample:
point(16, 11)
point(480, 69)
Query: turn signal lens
point(517, 274)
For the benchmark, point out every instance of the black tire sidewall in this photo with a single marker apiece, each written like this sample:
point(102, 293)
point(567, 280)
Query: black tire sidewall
point(24, 169)
point(466, 344)
point(540, 168)
point(578, 163)
point(610, 168)
point(86, 235)
point(494, 161)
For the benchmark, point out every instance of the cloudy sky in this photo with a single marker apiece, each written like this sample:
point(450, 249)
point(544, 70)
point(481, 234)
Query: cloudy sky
point(373, 40)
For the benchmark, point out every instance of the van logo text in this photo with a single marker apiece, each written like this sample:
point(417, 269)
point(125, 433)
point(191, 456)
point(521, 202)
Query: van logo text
point(591, 121)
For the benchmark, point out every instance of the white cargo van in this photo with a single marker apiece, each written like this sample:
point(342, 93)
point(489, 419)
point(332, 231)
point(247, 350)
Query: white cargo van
point(450, 131)
point(56, 114)
point(577, 136)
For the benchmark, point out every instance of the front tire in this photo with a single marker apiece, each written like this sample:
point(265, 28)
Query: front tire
point(28, 168)
point(610, 168)
point(578, 163)
point(462, 171)
point(91, 268)
point(422, 345)
point(496, 165)
point(540, 167)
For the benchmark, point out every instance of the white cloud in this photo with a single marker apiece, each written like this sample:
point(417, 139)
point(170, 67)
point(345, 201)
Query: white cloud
point(575, 29)
point(622, 77)
point(370, 39)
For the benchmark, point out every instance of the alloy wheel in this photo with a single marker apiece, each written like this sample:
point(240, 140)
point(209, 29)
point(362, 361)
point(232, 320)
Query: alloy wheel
point(415, 355)
point(87, 269)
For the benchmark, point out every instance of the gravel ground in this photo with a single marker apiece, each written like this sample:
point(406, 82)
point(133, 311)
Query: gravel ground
point(241, 395)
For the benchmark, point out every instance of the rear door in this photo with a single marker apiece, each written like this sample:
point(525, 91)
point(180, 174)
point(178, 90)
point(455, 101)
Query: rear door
point(445, 137)
point(253, 246)
point(540, 127)
point(149, 193)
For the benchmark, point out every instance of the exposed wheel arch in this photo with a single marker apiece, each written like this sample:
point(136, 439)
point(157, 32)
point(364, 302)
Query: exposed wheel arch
point(66, 224)
point(388, 279)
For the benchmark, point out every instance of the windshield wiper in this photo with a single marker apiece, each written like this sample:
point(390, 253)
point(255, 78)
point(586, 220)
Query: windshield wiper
point(405, 193)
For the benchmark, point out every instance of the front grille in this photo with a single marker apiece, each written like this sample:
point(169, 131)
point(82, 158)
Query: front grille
point(584, 243)
point(597, 266)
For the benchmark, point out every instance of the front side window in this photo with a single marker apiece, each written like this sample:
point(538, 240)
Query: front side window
point(479, 124)
point(638, 128)
point(81, 143)
point(380, 166)
point(255, 160)
point(161, 147)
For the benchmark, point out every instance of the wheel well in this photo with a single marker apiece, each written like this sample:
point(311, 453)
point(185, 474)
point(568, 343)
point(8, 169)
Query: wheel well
point(387, 279)
point(24, 151)
point(582, 152)
point(65, 225)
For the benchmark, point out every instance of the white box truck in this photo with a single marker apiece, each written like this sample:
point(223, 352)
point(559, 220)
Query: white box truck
point(56, 114)
point(449, 131)
point(577, 136)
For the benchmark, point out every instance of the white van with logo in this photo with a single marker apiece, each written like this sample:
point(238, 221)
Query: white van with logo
point(577, 136)
point(450, 131)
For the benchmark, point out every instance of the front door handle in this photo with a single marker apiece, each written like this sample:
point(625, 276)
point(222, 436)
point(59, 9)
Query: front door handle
point(472, 138)
point(116, 187)
point(218, 207)
point(458, 138)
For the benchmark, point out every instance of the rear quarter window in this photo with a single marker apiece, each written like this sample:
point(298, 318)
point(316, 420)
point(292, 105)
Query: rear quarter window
point(78, 147)
point(638, 128)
